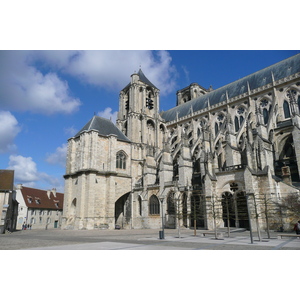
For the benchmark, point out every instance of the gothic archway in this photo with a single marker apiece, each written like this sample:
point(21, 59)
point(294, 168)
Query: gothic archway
point(228, 209)
point(241, 210)
point(197, 211)
point(287, 157)
point(171, 211)
point(123, 211)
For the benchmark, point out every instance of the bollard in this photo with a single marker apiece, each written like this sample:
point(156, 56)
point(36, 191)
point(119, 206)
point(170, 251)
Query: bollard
point(161, 235)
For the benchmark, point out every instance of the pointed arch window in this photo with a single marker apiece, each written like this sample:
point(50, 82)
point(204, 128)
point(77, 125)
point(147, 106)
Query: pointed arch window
point(219, 123)
point(266, 116)
point(216, 129)
point(154, 208)
point(286, 109)
point(236, 123)
point(121, 160)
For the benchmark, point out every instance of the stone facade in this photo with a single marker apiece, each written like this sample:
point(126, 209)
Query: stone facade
point(216, 158)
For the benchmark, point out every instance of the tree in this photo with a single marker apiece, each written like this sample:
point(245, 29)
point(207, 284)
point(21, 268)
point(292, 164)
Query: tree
point(214, 209)
point(289, 207)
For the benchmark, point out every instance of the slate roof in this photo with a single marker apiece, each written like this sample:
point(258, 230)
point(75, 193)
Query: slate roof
point(42, 197)
point(260, 78)
point(104, 127)
point(143, 78)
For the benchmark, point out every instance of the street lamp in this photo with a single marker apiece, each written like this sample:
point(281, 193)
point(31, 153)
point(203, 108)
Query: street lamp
point(162, 232)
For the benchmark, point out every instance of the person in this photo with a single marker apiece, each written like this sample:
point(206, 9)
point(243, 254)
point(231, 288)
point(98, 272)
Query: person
point(297, 227)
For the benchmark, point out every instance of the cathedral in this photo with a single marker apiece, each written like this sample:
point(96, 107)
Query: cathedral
point(219, 158)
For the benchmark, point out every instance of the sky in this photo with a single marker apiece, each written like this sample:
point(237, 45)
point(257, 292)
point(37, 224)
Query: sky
point(46, 97)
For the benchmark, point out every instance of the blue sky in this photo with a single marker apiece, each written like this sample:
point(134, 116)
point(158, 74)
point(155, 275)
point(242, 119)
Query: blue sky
point(47, 96)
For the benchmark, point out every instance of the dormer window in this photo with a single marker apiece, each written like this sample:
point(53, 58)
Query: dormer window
point(29, 199)
point(37, 201)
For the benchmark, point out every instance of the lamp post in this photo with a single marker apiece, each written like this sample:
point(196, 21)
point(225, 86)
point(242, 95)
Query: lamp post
point(162, 232)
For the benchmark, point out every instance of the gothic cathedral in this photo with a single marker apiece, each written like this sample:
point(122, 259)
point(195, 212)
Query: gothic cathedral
point(218, 158)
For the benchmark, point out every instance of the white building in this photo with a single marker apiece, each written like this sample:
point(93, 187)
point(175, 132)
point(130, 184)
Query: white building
point(39, 208)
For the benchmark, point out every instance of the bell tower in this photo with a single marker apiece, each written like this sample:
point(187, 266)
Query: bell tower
point(139, 110)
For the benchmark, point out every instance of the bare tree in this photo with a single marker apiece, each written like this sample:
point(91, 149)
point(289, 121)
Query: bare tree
point(289, 207)
point(214, 209)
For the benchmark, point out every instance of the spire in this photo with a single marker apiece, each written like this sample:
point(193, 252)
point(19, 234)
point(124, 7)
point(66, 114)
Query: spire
point(145, 79)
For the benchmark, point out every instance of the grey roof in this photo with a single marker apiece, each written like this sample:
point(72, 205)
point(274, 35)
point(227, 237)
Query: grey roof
point(104, 126)
point(260, 78)
point(143, 78)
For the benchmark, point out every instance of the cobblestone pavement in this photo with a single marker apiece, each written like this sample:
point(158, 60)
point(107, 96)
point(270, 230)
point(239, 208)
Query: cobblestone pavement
point(147, 239)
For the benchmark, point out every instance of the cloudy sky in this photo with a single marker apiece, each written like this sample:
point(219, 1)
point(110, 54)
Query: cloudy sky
point(48, 96)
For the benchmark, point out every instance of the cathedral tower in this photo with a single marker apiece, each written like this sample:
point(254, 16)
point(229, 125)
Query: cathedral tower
point(138, 110)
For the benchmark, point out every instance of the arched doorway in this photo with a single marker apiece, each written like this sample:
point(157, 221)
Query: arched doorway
point(73, 207)
point(287, 157)
point(235, 209)
point(123, 211)
point(171, 211)
point(242, 210)
point(197, 211)
point(228, 210)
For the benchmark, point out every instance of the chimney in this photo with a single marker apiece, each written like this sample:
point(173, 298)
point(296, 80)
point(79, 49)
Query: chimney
point(54, 192)
point(48, 193)
point(19, 186)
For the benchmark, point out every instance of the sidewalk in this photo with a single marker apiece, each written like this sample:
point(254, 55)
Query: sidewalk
point(145, 239)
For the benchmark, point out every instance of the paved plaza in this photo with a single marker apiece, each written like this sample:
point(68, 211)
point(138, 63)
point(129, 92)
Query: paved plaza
point(147, 239)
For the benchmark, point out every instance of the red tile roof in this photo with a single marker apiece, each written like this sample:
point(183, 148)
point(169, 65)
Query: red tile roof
point(40, 199)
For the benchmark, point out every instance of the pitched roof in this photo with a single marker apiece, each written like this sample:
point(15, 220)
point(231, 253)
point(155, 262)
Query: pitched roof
point(104, 127)
point(142, 78)
point(260, 78)
point(41, 200)
point(6, 179)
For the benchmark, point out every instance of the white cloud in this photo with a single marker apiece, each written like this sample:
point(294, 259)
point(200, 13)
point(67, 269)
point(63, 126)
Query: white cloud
point(111, 69)
point(25, 169)
point(9, 129)
point(70, 131)
point(107, 113)
point(59, 156)
point(26, 86)
point(23, 87)
point(26, 172)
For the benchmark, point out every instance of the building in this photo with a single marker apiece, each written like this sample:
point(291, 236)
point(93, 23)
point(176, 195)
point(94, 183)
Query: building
point(39, 208)
point(8, 203)
point(218, 158)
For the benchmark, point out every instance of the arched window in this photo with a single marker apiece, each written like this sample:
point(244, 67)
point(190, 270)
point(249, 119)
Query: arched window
point(154, 208)
point(286, 109)
point(216, 128)
point(236, 123)
point(175, 169)
point(121, 160)
point(219, 123)
point(266, 116)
